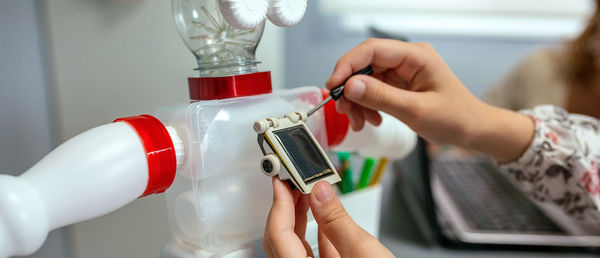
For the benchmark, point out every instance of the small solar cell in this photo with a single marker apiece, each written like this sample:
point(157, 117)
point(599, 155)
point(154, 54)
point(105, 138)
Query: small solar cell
point(303, 152)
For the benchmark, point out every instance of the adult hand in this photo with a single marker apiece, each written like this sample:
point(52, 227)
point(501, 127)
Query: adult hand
point(412, 83)
point(338, 235)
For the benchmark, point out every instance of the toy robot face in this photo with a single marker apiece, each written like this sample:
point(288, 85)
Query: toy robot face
point(288, 142)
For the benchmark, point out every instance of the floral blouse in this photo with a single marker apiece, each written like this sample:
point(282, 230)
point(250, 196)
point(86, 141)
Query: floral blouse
point(561, 165)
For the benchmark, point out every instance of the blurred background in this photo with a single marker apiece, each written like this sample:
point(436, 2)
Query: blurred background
point(69, 65)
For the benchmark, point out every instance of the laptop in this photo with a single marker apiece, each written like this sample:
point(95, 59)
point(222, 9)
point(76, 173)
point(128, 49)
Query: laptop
point(464, 199)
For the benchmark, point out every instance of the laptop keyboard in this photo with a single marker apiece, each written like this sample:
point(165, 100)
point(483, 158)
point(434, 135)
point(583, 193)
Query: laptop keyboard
point(488, 201)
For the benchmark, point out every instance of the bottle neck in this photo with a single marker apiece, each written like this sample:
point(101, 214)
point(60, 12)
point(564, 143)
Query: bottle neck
point(219, 69)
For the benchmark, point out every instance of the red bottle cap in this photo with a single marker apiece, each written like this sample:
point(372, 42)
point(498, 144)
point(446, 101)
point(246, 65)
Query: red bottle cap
point(160, 153)
point(210, 88)
point(336, 124)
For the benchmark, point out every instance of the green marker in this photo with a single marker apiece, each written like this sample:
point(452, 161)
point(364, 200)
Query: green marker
point(346, 185)
point(365, 174)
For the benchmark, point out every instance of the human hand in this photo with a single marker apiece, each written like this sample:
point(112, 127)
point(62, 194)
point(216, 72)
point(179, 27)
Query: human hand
point(338, 235)
point(412, 83)
point(286, 224)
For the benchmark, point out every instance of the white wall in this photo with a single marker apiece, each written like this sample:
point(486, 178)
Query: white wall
point(314, 46)
point(26, 124)
point(507, 19)
point(119, 58)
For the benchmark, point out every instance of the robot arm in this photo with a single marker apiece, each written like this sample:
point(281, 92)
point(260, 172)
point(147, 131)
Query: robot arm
point(88, 176)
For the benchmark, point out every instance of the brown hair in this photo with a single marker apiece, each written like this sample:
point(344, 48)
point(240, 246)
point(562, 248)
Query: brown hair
point(582, 52)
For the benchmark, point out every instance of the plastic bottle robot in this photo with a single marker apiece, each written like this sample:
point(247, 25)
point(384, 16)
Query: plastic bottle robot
point(204, 152)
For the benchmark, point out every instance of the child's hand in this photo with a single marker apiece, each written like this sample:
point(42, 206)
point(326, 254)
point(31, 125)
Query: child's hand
point(338, 235)
point(286, 224)
point(412, 83)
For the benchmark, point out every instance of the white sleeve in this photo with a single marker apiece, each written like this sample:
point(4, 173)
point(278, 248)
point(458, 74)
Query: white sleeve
point(561, 164)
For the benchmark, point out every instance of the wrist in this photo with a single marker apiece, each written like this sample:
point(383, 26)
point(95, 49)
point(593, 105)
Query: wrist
point(502, 134)
point(477, 125)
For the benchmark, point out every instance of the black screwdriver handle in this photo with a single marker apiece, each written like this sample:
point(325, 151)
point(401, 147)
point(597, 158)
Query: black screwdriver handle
point(338, 91)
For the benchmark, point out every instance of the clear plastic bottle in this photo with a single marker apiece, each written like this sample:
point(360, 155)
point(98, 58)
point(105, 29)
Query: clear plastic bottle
point(220, 49)
point(220, 200)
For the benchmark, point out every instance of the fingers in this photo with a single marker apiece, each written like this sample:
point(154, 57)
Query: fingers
point(340, 231)
point(374, 94)
point(365, 94)
point(334, 222)
point(372, 116)
point(266, 245)
point(382, 54)
point(280, 217)
point(280, 239)
point(326, 248)
point(353, 111)
point(302, 205)
point(282, 212)
point(358, 114)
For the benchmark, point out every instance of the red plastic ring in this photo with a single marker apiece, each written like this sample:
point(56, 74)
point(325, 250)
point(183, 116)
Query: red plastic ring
point(160, 153)
point(210, 88)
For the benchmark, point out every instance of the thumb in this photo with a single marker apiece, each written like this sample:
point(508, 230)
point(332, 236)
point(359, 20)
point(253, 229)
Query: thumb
point(334, 221)
point(372, 93)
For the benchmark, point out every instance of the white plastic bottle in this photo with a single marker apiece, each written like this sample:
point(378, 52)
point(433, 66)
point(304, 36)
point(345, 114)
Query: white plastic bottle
point(88, 176)
point(391, 139)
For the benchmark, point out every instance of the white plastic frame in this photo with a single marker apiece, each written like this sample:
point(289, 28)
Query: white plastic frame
point(269, 145)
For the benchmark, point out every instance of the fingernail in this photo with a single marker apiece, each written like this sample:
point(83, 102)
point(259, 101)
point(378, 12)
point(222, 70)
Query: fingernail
point(373, 118)
point(355, 90)
point(323, 192)
point(337, 106)
point(355, 125)
point(352, 121)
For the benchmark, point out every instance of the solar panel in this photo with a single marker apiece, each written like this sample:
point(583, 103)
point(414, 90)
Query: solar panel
point(303, 153)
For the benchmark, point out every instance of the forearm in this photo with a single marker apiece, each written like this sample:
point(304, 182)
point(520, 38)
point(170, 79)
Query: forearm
point(502, 134)
point(560, 165)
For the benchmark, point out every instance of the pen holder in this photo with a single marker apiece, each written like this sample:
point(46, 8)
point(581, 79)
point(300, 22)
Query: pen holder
point(364, 206)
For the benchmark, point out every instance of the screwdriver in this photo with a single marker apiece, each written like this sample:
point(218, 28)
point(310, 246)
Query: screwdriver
point(338, 91)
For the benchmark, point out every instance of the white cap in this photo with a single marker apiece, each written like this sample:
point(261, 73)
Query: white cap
point(285, 13)
point(177, 145)
point(243, 14)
